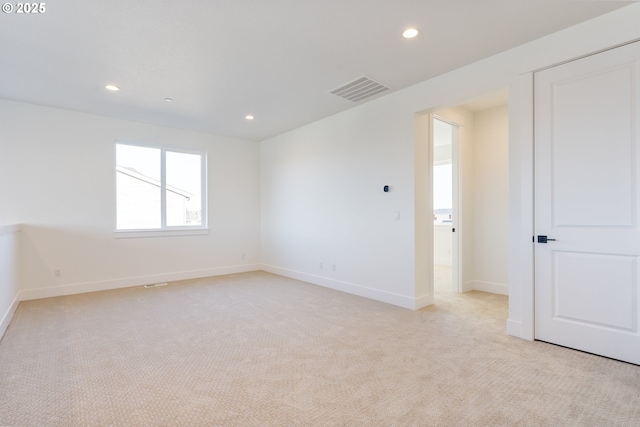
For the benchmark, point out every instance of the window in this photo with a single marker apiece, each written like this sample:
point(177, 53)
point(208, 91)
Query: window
point(159, 189)
point(442, 193)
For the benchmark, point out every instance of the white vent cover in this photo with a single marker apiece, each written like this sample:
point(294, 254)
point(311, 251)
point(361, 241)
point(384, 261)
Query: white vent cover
point(155, 285)
point(359, 89)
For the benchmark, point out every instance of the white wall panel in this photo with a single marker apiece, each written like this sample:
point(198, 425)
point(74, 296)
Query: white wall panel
point(491, 196)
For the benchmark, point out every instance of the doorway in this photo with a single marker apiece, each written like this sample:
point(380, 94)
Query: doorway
point(480, 194)
point(445, 206)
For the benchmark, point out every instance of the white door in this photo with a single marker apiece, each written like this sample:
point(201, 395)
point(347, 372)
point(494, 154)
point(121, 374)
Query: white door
point(587, 188)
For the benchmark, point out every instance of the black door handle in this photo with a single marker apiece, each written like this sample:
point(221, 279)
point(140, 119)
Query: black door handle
point(545, 239)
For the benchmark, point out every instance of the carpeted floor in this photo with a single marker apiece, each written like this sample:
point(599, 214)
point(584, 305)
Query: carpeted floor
point(257, 349)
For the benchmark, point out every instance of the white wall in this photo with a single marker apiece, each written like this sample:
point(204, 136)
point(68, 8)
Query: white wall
point(9, 280)
point(321, 183)
point(491, 200)
point(58, 174)
point(323, 199)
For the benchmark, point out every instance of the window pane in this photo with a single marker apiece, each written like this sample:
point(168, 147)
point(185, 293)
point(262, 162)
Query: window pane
point(184, 189)
point(442, 193)
point(138, 187)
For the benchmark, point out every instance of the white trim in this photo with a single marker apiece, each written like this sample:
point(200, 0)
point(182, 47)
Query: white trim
point(423, 209)
point(588, 54)
point(163, 188)
point(6, 319)
point(467, 286)
point(123, 234)
point(8, 315)
point(422, 301)
point(494, 288)
point(204, 189)
point(514, 328)
point(352, 288)
point(105, 285)
point(521, 262)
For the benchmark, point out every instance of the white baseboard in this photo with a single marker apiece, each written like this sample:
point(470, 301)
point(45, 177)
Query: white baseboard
point(79, 288)
point(6, 319)
point(467, 286)
point(494, 288)
point(514, 328)
point(352, 288)
point(423, 301)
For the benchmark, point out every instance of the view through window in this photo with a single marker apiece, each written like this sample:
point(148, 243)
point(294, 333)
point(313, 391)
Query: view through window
point(442, 172)
point(442, 194)
point(159, 188)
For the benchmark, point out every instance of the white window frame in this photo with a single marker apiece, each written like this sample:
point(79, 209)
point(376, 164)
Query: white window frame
point(165, 230)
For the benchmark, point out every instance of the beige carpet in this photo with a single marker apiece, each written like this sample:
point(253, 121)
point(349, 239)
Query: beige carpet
point(260, 350)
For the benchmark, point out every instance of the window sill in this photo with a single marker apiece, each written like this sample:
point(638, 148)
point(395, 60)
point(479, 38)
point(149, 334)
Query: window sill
point(133, 234)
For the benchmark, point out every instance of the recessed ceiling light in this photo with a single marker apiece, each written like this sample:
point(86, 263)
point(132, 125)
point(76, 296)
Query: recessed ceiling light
point(112, 88)
point(168, 99)
point(410, 33)
point(249, 117)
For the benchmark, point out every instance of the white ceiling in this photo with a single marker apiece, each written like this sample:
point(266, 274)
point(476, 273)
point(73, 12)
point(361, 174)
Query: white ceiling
point(276, 59)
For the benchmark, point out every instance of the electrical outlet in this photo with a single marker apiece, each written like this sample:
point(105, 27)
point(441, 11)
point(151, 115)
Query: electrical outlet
point(244, 256)
point(321, 265)
point(57, 272)
point(333, 267)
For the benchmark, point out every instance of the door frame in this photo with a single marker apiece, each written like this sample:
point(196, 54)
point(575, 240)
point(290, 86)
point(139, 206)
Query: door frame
point(456, 259)
point(521, 208)
point(521, 322)
point(423, 209)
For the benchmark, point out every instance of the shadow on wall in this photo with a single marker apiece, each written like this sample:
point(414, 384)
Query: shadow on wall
point(51, 257)
point(63, 261)
point(35, 272)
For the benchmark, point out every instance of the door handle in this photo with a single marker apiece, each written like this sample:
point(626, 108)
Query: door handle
point(545, 239)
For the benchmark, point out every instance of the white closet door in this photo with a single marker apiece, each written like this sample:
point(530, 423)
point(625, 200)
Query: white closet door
point(587, 183)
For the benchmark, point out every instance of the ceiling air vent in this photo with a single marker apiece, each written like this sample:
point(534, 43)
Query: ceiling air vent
point(359, 89)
